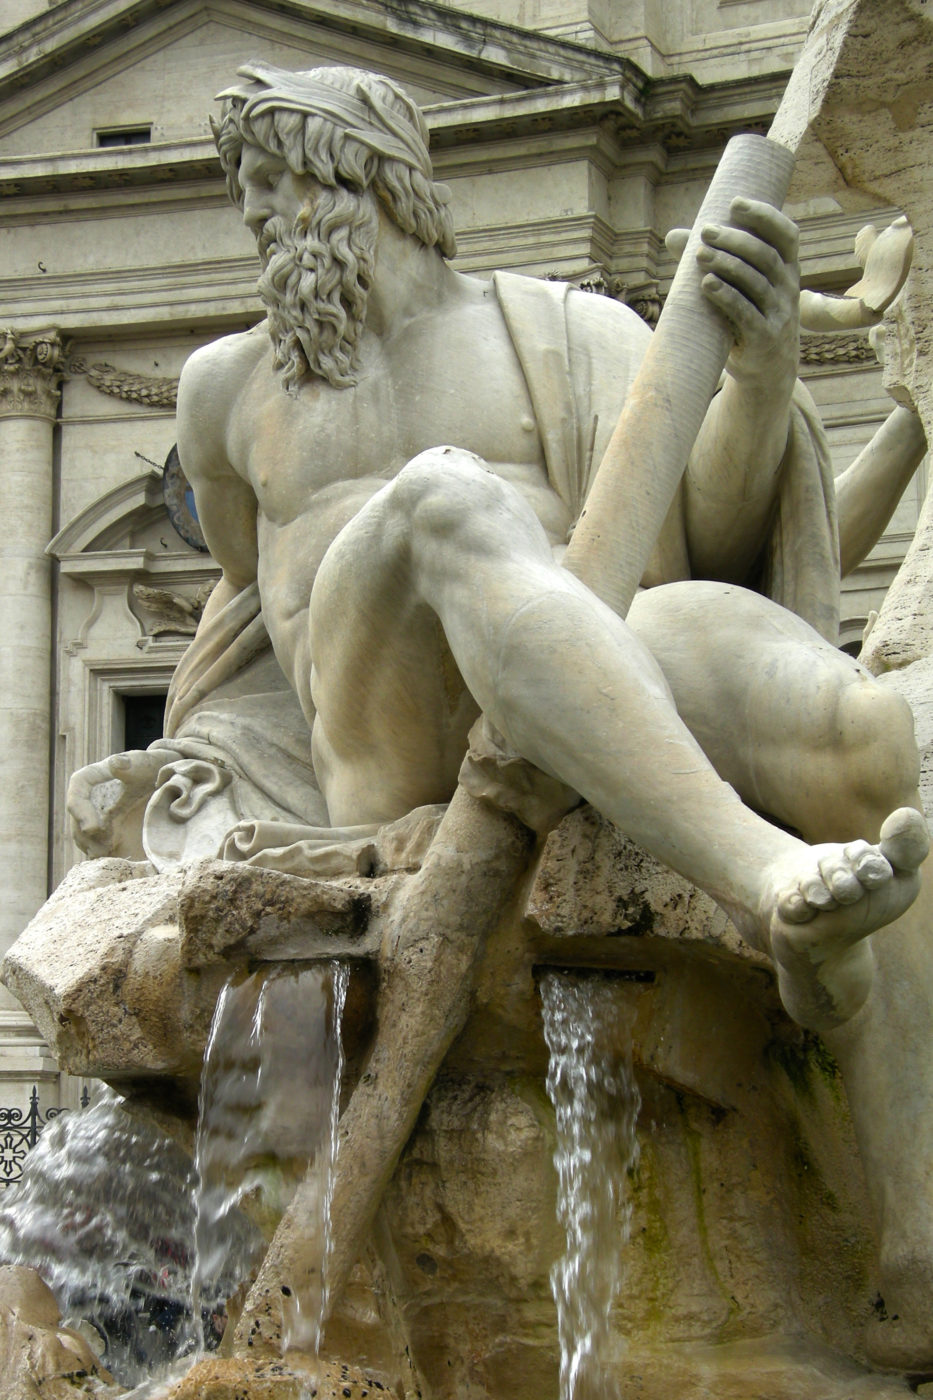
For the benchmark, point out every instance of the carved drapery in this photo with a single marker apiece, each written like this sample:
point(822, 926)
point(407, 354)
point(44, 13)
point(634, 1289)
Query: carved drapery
point(30, 373)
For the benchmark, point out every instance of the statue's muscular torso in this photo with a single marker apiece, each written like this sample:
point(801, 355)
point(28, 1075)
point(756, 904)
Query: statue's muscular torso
point(311, 460)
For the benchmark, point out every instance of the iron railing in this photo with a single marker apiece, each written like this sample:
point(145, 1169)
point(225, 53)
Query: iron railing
point(20, 1130)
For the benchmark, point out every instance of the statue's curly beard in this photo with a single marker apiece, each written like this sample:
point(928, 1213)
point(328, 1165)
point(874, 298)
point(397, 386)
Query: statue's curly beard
point(315, 285)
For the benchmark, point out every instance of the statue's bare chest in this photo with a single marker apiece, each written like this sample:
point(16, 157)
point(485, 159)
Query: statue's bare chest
point(457, 384)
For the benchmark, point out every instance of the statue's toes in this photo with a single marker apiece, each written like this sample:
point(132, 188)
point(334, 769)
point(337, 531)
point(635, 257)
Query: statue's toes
point(905, 838)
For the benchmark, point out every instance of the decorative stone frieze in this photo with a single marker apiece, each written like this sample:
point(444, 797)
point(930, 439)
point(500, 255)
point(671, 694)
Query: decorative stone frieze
point(854, 349)
point(153, 390)
point(30, 373)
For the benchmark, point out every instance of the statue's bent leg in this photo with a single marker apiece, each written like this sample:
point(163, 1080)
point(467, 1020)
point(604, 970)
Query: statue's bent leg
point(575, 692)
point(815, 740)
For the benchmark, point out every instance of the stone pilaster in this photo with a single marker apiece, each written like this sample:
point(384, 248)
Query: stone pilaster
point(30, 378)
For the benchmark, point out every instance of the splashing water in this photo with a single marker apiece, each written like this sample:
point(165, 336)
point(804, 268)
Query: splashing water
point(104, 1211)
point(269, 1104)
point(596, 1101)
point(141, 1247)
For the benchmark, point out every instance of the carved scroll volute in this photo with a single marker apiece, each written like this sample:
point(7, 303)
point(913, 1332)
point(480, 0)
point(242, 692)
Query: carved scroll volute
point(30, 373)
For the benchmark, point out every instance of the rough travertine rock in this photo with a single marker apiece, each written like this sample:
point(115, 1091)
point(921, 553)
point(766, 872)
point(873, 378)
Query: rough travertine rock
point(865, 110)
point(903, 631)
point(860, 115)
point(100, 970)
point(40, 1360)
point(243, 1379)
point(748, 1207)
point(231, 912)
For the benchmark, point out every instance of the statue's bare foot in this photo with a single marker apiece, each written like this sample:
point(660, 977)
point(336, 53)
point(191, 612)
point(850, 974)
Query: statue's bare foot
point(826, 903)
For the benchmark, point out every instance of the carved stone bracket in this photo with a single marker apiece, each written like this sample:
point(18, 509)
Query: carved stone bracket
point(643, 297)
point(31, 371)
point(167, 611)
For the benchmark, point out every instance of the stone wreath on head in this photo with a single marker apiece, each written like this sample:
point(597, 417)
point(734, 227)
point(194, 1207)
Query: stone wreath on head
point(342, 126)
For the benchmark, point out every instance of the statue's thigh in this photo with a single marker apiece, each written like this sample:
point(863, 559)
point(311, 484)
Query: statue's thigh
point(772, 703)
point(392, 710)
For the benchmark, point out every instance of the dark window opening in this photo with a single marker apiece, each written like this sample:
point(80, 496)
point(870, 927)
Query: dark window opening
point(125, 136)
point(143, 719)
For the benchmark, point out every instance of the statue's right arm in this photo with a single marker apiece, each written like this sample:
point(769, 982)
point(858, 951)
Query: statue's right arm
point(106, 800)
point(225, 500)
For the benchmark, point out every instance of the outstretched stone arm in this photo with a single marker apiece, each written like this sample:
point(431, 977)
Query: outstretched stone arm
point(868, 491)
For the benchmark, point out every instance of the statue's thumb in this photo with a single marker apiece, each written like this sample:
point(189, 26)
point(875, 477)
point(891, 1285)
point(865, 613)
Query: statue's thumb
point(675, 241)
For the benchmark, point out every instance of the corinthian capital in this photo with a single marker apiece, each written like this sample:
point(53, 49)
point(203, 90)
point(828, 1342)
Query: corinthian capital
point(30, 373)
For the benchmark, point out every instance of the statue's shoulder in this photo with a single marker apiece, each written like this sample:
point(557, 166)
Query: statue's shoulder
point(213, 382)
point(586, 314)
point(215, 375)
point(233, 356)
point(603, 314)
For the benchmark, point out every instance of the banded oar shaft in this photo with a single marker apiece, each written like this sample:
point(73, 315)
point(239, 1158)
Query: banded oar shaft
point(647, 453)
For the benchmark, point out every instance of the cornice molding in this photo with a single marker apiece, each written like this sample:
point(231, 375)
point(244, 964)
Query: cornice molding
point(576, 88)
point(48, 42)
point(116, 168)
point(205, 292)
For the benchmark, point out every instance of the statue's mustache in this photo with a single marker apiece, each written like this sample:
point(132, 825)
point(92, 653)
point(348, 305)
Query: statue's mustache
point(275, 233)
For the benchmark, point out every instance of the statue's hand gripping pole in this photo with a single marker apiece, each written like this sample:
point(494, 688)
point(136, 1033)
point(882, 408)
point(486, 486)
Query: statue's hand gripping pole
point(646, 456)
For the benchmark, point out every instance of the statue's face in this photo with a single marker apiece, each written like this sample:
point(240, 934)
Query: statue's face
point(271, 189)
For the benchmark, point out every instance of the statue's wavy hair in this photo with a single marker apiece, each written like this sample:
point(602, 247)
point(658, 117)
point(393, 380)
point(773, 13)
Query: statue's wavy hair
point(270, 111)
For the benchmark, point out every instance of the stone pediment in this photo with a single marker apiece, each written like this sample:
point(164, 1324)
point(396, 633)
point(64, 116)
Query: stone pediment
point(75, 71)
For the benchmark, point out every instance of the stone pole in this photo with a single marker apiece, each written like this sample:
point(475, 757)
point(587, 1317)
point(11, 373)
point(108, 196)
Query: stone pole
point(30, 378)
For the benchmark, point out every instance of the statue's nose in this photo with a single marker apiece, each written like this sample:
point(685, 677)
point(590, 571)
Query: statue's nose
point(255, 210)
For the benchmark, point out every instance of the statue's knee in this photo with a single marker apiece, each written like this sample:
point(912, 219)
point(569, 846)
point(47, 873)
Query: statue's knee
point(444, 491)
point(881, 762)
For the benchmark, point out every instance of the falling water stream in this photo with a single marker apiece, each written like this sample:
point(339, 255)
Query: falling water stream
point(596, 1101)
point(268, 1112)
point(142, 1248)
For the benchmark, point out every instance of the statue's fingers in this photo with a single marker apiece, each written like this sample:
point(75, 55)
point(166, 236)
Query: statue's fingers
point(741, 314)
point(751, 251)
point(769, 224)
point(735, 272)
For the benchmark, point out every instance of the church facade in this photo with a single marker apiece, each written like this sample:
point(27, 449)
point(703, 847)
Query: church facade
point(573, 134)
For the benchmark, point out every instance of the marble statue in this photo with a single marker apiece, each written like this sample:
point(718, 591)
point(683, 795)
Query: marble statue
point(388, 471)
